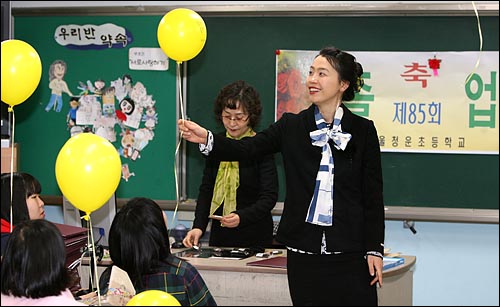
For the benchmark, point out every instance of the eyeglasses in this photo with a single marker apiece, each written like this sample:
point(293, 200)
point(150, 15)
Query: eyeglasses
point(239, 118)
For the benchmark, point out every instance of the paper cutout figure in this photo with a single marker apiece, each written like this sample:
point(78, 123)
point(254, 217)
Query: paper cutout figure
point(57, 85)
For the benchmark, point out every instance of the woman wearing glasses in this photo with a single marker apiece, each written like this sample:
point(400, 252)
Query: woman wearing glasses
point(238, 196)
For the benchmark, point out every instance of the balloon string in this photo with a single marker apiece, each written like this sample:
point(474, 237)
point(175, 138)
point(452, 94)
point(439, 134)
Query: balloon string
point(89, 245)
point(95, 261)
point(181, 102)
point(90, 242)
point(11, 110)
point(480, 44)
point(179, 84)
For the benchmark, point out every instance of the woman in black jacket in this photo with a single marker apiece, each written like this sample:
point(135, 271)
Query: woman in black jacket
point(333, 216)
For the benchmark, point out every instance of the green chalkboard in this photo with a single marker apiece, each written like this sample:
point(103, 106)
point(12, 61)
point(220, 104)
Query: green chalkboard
point(244, 48)
point(41, 134)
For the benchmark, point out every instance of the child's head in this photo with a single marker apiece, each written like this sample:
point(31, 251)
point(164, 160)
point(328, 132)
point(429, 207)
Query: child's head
point(138, 237)
point(25, 204)
point(74, 102)
point(34, 262)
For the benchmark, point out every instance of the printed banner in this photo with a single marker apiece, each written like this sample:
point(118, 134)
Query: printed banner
point(435, 102)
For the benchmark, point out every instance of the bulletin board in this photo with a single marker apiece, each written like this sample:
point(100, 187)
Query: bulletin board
point(41, 133)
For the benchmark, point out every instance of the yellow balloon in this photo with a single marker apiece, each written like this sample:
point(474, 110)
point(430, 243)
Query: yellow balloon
point(153, 298)
point(21, 71)
point(182, 34)
point(88, 171)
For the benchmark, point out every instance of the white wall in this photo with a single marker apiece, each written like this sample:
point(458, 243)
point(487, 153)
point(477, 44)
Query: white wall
point(457, 263)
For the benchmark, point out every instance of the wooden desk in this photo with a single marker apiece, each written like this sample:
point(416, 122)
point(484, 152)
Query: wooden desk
point(6, 159)
point(233, 283)
point(397, 289)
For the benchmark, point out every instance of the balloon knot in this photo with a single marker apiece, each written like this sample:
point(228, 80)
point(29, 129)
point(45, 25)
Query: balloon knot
point(10, 109)
point(86, 217)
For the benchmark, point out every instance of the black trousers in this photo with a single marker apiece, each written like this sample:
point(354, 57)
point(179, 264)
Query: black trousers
point(330, 280)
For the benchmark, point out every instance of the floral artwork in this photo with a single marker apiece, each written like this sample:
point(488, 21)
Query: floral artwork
point(291, 94)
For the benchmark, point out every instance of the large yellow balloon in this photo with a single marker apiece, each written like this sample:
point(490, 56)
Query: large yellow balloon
point(88, 171)
point(182, 34)
point(21, 71)
point(153, 298)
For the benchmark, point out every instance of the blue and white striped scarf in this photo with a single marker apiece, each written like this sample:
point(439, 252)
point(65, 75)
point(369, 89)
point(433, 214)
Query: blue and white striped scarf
point(321, 208)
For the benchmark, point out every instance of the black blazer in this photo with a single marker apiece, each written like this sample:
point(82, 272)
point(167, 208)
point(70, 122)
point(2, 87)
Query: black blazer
point(256, 197)
point(358, 208)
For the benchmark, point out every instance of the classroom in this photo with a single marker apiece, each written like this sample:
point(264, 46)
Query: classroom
point(441, 203)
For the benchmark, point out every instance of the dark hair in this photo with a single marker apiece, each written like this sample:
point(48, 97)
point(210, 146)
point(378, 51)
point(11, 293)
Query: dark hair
point(109, 90)
point(242, 92)
point(127, 76)
point(131, 102)
point(23, 186)
point(347, 67)
point(138, 239)
point(34, 262)
point(52, 67)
